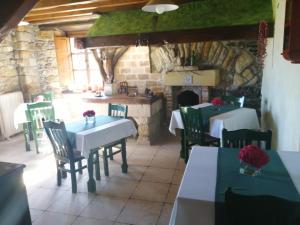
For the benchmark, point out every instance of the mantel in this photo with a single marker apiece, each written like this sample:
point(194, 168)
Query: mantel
point(192, 78)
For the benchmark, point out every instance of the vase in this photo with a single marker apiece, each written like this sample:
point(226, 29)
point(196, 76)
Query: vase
point(90, 119)
point(110, 89)
point(249, 170)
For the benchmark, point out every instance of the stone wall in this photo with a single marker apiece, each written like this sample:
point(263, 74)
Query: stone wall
point(28, 61)
point(144, 67)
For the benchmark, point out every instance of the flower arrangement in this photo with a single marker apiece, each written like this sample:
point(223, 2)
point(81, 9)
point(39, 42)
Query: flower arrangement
point(252, 159)
point(89, 113)
point(217, 101)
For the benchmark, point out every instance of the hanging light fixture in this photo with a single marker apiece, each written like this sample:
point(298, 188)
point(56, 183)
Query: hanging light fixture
point(160, 6)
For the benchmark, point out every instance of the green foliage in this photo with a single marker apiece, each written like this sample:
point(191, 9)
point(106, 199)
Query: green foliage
point(194, 15)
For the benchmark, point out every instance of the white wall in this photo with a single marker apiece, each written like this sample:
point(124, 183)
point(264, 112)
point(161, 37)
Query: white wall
point(281, 90)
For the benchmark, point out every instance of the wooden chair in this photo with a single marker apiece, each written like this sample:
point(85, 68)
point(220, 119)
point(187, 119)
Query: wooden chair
point(260, 210)
point(233, 100)
point(64, 154)
point(47, 96)
point(37, 113)
point(115, 111)
point(243, 137)
point(194, 133)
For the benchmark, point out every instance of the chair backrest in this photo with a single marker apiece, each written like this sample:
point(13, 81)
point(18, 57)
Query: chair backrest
point(38, 112)
point(243, 137)
point(57, 135)
point(260, 210)
point(117, 110)
point(47, 96)
point(193, 125)
point(233, 100)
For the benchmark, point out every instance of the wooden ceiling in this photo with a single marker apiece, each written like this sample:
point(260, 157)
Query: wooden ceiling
point(74, 17)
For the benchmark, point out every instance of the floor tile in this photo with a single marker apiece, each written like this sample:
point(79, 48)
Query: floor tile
point(103, 207)
point(140, 159)
point(90, 221)
point(181, 165)
point(160, 175)
point(140, 212)
point(42, 198)
point(151, 191)
point(177, 177)
point(133, 173)
point(165, 215)
point(118, 188)
point(172, 193)
point(70, 203)
point(35, 214)
point(51, 218)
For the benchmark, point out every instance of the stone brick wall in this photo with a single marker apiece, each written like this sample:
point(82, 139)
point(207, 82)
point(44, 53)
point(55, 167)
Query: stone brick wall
point(134, 67)
point(28, 61)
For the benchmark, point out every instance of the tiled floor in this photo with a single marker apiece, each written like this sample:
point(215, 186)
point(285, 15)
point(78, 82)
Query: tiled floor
point(143, 196)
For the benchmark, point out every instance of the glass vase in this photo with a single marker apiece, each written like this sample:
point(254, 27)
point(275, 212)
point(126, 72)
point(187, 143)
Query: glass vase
point(90, 119)
point(249, 170)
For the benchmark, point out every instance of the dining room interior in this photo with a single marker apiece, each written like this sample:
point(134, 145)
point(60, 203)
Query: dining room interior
point(141, 112)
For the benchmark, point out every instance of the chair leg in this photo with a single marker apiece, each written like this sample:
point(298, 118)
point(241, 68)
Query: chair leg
point(97, 166)
point(105, 162)
point(182, 151)
point(186, 153)
point(36, 142)
point(111, 156)
point(73, 177)
point(80, 167)
point(26, 136)
point(123, 152)
point(58, 174)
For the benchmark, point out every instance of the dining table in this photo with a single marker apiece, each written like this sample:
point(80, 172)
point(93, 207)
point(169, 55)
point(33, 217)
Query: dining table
point(206, 179)
point(219, 117)
point(88, 137)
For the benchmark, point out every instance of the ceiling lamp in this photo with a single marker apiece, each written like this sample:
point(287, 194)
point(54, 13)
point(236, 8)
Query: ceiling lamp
point(160, 6)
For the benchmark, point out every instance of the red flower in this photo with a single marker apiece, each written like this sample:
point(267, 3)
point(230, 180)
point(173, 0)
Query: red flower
point(89, 113)
point(254, 156)
point(217, 101)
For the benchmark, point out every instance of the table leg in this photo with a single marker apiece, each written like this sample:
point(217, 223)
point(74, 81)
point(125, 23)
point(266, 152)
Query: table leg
point(91, 184)
point(182, 151)
point(123, 152)
point(26, 136)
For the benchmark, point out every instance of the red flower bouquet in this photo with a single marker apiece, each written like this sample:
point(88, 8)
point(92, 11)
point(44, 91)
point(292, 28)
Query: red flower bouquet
point(253, 156)
point(89, 113)
point(217, 101)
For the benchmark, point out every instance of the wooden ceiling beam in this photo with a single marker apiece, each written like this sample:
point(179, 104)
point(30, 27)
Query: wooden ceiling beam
point(13, 13)
point(249, 32)
point(93, 7)
point(65, 20)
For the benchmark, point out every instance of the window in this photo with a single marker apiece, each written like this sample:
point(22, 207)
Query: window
point(85, 69)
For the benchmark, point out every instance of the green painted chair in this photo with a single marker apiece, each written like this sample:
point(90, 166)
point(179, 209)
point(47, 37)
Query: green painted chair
point(64, 154)
point(194, 131)
point(233, 100)
point(115, 110)
point(37, 113)
point(243, 137)
point(264, 209)
point(47, 96)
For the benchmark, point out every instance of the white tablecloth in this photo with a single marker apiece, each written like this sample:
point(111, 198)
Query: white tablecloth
point(176, 121)
point(103, 135)
point(195, 201)
point(242, 118)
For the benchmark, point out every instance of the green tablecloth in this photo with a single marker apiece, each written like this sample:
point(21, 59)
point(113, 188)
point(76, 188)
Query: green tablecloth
point(214, 110)
point(81, 125)
point(273, 180)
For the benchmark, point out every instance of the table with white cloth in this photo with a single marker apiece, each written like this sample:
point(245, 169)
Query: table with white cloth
point(241, 118)
point(195, 201)
point(90, 137)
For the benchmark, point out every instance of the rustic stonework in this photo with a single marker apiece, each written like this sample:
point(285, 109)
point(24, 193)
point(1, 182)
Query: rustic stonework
point(28, 61)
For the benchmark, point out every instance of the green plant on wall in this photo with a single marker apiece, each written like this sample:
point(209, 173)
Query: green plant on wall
point(194, 15)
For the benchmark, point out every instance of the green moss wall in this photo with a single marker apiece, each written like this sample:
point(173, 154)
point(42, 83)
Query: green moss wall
point(195, 15)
